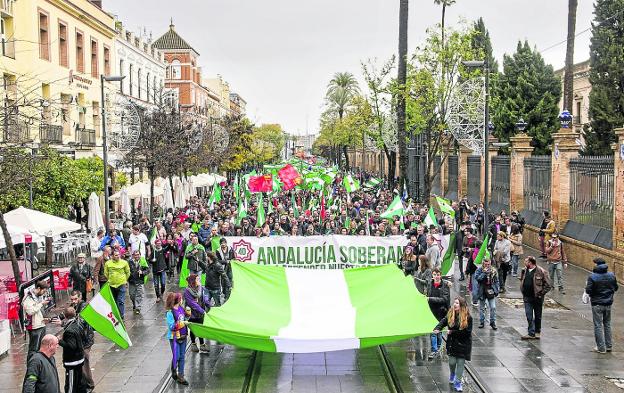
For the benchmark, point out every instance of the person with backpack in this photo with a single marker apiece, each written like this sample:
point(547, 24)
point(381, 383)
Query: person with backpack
point(601, 287)
point(489, 287)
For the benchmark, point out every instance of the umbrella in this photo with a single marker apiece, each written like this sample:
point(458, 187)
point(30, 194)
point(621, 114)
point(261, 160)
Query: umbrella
point(39, 223)
point(179, 194)
point(95, 213)
point(139, 191)
point(203, 180)
point(124, 199)
point(192, 188)
point(168, 198)
point(18, 235)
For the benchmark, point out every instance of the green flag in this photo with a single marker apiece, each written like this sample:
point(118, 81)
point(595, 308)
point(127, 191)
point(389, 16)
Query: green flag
point(236, 189)
point(294, 205)
point(347, 223)
point(372, 183)
point(395, 209)
point(351, 184)
point(260, 215)
point(431, 218)
point(483, 251)
point(445, 206)
point(216, 196)
point(242, 211)
point(103, 316)
point(448, 244)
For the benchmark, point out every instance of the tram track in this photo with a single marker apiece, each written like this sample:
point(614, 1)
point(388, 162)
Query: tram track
point(392, 379)
point(252, 373)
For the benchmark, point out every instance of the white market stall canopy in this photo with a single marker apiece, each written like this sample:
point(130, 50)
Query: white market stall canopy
point(18, 235)
point(39, 223)
point(138, 190)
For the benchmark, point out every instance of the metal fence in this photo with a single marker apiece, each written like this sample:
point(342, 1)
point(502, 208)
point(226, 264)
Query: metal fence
point(452, 177)
point(500, 184)
point(537, 181)
point(474, 179)
point(435, 185)
point(591, 200)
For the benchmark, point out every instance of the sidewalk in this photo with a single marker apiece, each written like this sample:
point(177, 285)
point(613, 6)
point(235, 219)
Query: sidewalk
point(562, 361)
point(140, 368)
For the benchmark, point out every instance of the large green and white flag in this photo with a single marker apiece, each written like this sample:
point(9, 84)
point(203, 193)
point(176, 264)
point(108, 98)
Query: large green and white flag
point(445, 206)
point(447, 249)
point(395, 209)
point(260, 215)
point(372, 183)
point(483, 251)
point(277, 309)
point(431, 218)
point(103, 316)
point(351, 184)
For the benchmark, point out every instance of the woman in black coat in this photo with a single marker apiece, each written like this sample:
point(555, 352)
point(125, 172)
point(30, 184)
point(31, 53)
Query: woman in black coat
point(459, 340)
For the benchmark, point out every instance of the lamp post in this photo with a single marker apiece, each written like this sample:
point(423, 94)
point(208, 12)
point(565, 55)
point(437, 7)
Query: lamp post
point(103, 79)
point(487, 126)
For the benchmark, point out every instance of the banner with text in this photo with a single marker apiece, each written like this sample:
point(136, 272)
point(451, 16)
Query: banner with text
point(318, 252)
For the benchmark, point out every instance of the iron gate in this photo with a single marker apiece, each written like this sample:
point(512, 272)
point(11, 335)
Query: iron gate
point(452, 178)
point(537, 181)
point(500, 184)
point(435, 185)
point(474, 179)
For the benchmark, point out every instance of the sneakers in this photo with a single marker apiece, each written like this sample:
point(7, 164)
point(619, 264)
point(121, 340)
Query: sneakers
point(181, 380)
point(457, 385)
point(481, 325)
point(432, 354)
point(609, 349)
point(599, 351)
point(157, 300)
point(137, 311)
point(204, 348)
point(538, 335)
point(194, 348)
point(528, 337)
point(452, 378)
point(493, 325)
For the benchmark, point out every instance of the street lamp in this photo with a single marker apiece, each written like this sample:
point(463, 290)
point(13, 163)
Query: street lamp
point(103, 79)
point(487, 126)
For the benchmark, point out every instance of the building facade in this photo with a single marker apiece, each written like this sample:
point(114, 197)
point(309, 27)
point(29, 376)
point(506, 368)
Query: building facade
point(238, 105)
point(53, 52)
point(582, 88)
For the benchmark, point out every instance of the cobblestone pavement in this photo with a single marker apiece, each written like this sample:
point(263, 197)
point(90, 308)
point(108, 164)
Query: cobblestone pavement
point(562, 361)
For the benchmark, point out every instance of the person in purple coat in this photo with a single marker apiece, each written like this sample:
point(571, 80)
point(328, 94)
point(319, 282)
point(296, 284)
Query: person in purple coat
point(195, 299)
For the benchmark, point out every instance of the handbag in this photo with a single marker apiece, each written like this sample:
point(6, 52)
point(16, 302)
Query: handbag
point(89, 285)
point(489, 293)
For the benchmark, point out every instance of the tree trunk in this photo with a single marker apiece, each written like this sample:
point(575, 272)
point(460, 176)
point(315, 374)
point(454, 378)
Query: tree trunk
point(151, 177)
point(11, 250)
point(401, 78)
point(78, 210)
point(49, 252)
point(568, 79)
point(346, 156)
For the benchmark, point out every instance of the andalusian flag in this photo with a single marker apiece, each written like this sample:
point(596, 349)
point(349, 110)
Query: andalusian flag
point(260, 215)
point(431, 218)
point(237, 189)
point(277, 309)
point(242, 211)
point(351, 184)
point(216, 196)
point(395, 209)
point(294, 205)
point(483, 251)
point(372, 183)
point(445, 206)
point(103, 316)
point(447, 245)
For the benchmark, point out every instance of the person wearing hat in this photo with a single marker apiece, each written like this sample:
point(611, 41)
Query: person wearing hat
point(601, 286)
point(557, 260)
point(81, 274)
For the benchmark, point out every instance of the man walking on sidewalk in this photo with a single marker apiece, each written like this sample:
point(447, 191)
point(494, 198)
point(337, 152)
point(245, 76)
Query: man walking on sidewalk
point(601, 286)
point(534, 284)
point(557, 260)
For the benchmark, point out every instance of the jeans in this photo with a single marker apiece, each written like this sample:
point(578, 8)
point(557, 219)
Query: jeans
point(159, 283)
point(491, 306)
point(196, 320)
point(136, 295)
point(215, 295)
point(119, 294)
point(178, 350)
point(86, 370)
point(602, 327)
point(436, 342)
point(475, 288)
point(514, 264)
point(34, 341)
point(556, 268)
point(533, 311)
point(542, 245)
point(456, 366)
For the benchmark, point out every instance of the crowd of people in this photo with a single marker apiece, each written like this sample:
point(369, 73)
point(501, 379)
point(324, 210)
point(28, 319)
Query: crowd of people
point(197, 235)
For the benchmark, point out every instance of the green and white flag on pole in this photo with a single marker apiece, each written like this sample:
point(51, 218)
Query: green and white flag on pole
point(260, 215)
point(278, 309)
point(431, 218)
point(395, 209)
point(351, 184)
point(103, 316)
point(372, 183)
point(445, 206)
point(242, 211)
point(483, 251)
point(215, 196)
point(447, 247)
point(294, 205)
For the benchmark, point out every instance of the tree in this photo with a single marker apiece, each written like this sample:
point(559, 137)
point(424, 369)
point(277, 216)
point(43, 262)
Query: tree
point(268, 141)
point(340, 91)
point(400, 99)
point(240, 131)
point(606, 75)
point(444, 3)
point(481, 43)
point(568, 79)
point(528, 89)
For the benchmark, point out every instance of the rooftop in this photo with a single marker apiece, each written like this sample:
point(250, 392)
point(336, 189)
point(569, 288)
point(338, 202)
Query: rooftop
point(172, 40)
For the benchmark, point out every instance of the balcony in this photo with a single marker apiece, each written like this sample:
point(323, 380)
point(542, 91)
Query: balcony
point(6, 7)
point(85, 137)
point(16, 132)
point(51, 134)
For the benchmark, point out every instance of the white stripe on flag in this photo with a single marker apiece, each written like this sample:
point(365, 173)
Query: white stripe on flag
point(320, 309)
point(102, 307)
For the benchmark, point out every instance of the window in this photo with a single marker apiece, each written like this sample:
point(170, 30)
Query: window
point(147, 87)
point(578, 112)
point(121, 73)
point(130, 69)
point(107, 61)
point(79, 52)
point(63, 58)
point(44, 36)
point(139, 83)
point(94, 58)
point(8, 40)
point(176, 70)
point(155, 87)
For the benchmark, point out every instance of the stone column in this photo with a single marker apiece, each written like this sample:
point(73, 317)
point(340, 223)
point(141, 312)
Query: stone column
point(520, 149)
point(618, 204)
point(446, 147)
point(564, 149)
point(493, 152)
point(462, 182)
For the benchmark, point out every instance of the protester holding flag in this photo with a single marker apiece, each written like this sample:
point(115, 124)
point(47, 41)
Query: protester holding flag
point(438, 296)
point(176, 334)
point(196, 298)
point(117, 272)
point(195, 256)
point(488, 289)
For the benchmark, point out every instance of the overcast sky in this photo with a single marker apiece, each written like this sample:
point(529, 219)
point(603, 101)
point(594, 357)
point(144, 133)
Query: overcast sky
point(279, 55)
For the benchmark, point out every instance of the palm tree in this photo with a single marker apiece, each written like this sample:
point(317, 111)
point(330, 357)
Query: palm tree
point(340, 91)
point(444, 3)
point(568, 79)
point(402, 75)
